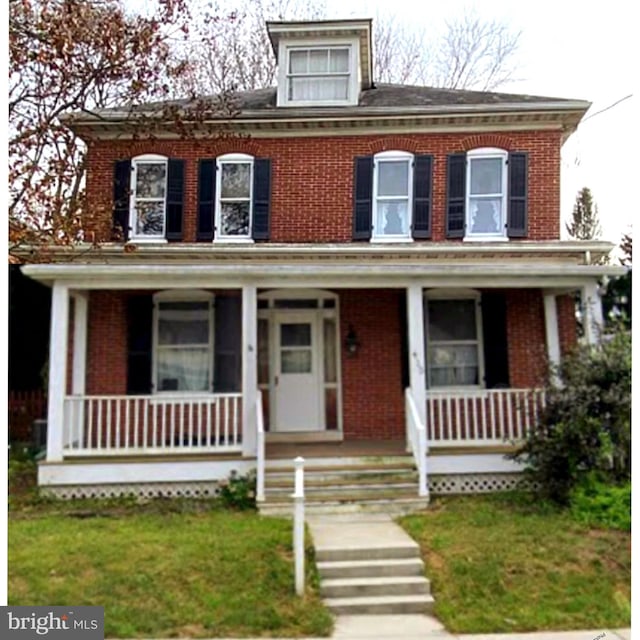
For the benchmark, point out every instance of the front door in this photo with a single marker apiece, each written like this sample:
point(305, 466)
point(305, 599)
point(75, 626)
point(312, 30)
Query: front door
point(297, 372)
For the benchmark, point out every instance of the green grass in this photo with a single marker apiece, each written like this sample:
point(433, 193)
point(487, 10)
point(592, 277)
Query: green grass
point(164, 568)
point(508, 563)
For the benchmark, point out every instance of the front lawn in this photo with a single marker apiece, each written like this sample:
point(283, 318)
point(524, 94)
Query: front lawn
point(508, 563)
point(164, 569)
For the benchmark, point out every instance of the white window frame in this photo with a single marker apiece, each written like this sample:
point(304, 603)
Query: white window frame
point(182, 296)
point(392, 156)
point(456, 295)
point(287, 46)
point(482, 153)
point(232, 158)
point(148, 158)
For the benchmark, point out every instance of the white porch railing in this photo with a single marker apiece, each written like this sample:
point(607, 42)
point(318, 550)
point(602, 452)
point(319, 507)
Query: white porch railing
point(484, 417)
point(123, 425)
point(260, 449)
point(417, 436)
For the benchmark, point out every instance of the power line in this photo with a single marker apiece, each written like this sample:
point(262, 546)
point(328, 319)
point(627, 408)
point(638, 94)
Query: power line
point(597, 113)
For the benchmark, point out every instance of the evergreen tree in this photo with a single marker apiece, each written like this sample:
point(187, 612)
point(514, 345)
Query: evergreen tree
point(584, 223)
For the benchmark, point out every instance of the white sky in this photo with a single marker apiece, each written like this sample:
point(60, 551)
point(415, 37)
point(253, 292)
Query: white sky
point(569, 49)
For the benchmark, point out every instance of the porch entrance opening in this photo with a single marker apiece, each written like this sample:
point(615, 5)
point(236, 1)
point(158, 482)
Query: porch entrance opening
point(299, 362)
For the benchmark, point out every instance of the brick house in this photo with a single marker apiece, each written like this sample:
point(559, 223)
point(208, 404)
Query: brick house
point(351, 270)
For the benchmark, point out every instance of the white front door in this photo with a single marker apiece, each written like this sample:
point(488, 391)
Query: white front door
point(297, 372)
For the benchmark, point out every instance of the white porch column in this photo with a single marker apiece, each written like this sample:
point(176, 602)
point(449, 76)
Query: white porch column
point(80, 315)
point(591, 312)
point(417, 365)
point(249, 368)
point(551, 329)
point(57, 371)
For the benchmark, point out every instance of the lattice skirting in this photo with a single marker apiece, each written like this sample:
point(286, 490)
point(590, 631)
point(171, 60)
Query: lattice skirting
point(477, 483)
point(138, 490)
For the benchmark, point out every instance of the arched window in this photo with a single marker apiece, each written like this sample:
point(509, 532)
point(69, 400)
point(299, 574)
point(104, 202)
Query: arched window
point(234, 202)
point(148, 197)
point(393, 193)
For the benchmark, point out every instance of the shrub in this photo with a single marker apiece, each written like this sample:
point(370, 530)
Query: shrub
point(586, 423)
point(595, 503)
point(239, 492)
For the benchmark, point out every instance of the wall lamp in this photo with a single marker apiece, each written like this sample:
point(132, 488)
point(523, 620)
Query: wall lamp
point(351, 343)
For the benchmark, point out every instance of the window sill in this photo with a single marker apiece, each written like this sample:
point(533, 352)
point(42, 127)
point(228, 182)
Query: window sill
point(485, 239)
point(392, 240)
point(147, 241)
point(233, 241)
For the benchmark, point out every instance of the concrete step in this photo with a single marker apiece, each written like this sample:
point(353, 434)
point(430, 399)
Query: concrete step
point(377, 463)
point(337, 490)
point(380, 605)
point(385, 552)
point(343, 479)
point(371, 568)
point(380, 586)
point(357, 494)
point(391, 506)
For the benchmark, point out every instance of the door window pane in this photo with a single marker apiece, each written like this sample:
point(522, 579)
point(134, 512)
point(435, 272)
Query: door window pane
point(295, 335)
point(295, 361)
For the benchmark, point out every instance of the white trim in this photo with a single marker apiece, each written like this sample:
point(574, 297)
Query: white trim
point(286, 45)
point(417, 350)
point(80, 318)
point(592, 319)
point(232, 158)
point(249, 369)
point(482, 153)
point(392, 156)
point(133, 199)
point(457, 294)
point(551, 328)
point(196, 295)
point(57, 371)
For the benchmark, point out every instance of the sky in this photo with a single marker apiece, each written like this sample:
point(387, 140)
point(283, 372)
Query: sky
point(568, 49)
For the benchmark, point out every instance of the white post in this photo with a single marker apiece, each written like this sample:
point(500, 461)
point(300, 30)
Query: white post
point(298, 524)
point(57, 371)
point(249, 368)
point(260, 451)
point(551, 329)
point(417, 365)
point(78, 375)
point(591, 312)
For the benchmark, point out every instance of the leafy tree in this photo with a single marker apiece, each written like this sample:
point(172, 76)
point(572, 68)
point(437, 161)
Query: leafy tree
point(75, 55)
point(584, 223)
point(585, 427)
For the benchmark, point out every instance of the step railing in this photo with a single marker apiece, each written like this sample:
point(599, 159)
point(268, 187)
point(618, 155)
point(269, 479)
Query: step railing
point(417, 435)
point(260, 449)
point(146, 424)
point(482, 417)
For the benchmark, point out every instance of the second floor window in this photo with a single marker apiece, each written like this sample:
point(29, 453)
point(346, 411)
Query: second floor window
point(487, 193)
point(148, 197)
point(318, 74)
point(392, 195)
point(235, 190)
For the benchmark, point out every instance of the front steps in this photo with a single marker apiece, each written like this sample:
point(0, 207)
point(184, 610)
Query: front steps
point(368, 565)
point(349, 485)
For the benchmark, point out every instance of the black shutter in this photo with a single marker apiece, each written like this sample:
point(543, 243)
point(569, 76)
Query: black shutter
point(228, 344)
point(362, 197)
point(517, 212)
point(175, 198)
point(139, 332)
point(456, 194)
point(421, 228)
point(405, 378)
point(121, 194)
point(206, 200)
point(261, 198)
point(494, 330)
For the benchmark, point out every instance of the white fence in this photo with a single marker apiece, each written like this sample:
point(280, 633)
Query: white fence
point(117, 425)
point(483, 417)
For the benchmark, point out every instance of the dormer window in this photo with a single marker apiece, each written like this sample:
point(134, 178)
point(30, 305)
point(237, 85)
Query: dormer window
point(318, 74)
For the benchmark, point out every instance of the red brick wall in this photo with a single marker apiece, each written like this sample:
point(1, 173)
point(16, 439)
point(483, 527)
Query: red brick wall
point(372, 394)
point(567, 326)
point(526, 337)
point(312, 178)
